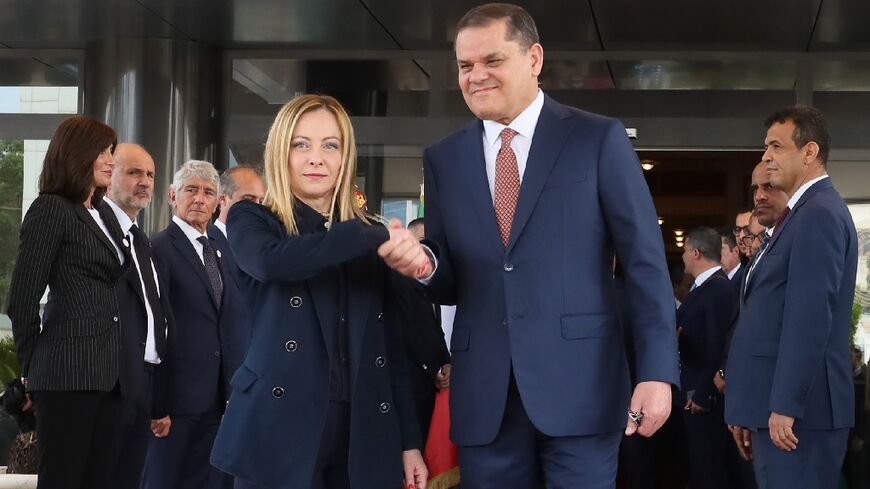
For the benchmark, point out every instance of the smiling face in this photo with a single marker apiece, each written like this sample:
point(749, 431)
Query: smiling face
point(103, 168)
point(315, 158)
point(497, 77)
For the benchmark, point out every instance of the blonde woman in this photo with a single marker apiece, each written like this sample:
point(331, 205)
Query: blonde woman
point(322, 399)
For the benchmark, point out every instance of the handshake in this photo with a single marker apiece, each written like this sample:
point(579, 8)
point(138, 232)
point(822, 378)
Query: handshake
point(404, 254)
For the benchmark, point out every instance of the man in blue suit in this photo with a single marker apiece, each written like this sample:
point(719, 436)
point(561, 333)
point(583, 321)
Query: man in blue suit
point(703, 320)
point(526, 208)
point(211, 329)
point(790, 393)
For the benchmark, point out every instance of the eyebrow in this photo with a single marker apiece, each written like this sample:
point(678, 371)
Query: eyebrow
point(488, 57)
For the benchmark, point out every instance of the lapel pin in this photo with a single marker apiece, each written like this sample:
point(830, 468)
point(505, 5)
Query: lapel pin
point(218, 253)
point(125, 242)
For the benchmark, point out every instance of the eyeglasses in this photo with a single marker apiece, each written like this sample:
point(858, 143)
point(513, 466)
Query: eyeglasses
point(749, 238)
point(740, 229)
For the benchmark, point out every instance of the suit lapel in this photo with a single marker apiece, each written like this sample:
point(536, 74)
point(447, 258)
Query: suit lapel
point(551, 132)
point(473, 167)
point(185, 247)
point(89, 221)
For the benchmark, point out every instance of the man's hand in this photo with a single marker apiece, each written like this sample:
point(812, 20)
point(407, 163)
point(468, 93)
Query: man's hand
point(694, 408)
point(160, 427)
point(403, 253)
point(719, 382)
point(781, 433)
point(653, 400)
point(743, 440)
point(442, 378)
point(416, 473)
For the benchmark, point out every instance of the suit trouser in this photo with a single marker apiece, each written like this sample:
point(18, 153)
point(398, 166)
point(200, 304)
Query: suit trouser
point(707, 443)
point(520, 453)
point(78, 436)
point(814, 464)
point(135, 434)
point(181, 460)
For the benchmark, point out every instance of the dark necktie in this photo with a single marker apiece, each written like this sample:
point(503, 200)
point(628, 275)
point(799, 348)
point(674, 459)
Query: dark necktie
point(143, 259)
point(211, 268)
point(507, 185)
point(781, 220)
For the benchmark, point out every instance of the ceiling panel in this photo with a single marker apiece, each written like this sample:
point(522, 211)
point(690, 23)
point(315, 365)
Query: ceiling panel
point(262, 23)
point(72, 23)
point(701, 25)
point(841, 76)
point(431, 24)
point(705, 75)
point(842, 25)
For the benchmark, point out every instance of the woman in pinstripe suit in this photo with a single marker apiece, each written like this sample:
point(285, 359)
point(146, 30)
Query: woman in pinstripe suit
point(69, 358)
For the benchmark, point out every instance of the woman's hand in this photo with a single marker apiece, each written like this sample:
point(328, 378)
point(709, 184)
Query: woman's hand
point(416, 473)
point(403, 253)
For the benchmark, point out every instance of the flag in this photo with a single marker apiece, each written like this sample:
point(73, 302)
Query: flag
point(440, 454)
point(420, 207)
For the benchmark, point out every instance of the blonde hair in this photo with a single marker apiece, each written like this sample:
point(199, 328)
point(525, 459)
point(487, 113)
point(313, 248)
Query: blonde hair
point(279, 198)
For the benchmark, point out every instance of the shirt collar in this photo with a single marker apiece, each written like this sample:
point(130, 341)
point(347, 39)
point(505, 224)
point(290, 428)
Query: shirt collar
point(123, 219)
point(524, 124)
point(800, 191)
point(188, 230)
point(734, 271)
point(703, 276)
point(220, 225)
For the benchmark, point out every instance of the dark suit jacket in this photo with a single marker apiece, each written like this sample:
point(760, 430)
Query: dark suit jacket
point(281, 392)
point(134, 333)
point(704, 317)
point(208, 343)
point(64, 248)
point(545, 306)
point(424, 338)
point(790, 349)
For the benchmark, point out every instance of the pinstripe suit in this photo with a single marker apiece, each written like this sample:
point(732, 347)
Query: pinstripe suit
point(72, 363)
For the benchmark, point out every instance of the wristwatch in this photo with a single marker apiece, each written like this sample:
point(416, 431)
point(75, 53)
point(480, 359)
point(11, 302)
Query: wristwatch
point(721, 373)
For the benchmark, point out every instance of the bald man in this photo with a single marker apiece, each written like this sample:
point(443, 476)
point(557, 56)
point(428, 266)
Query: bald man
point(144, 325)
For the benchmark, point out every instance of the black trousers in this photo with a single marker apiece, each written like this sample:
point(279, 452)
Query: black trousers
point(78, 437)
point(135, 433)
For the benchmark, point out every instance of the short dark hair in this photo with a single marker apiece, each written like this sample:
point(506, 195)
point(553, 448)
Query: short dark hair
point(810, 126)
point(416, 222)
point(727, 234)
point(228, 182)
point(707, 241)
point(68, 167)
point(520, 25)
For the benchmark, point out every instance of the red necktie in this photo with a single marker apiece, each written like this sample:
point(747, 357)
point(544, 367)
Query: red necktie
point(780, 221)
point(507, 184)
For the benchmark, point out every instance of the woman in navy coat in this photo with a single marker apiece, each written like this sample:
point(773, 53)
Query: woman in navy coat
point(322, 399)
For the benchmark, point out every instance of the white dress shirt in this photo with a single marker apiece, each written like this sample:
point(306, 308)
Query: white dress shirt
point(192, 235)
point(126, 224)
point(220, 225)
point(524, 125)
point(99, 220)
point(734, 271)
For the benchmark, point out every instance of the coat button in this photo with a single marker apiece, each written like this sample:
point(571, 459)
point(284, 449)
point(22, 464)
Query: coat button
point(508, 267)
point(277, 392)
point(217, 353)
point(384, 407)
point(425, 367)
point(380, 361)
point(295, 301)
point(381, 317)
point(290, 346)
point(115, 319)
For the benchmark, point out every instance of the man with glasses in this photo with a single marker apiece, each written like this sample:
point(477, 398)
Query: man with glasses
point(741, 225)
